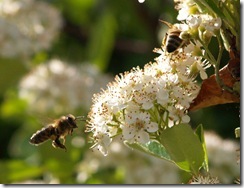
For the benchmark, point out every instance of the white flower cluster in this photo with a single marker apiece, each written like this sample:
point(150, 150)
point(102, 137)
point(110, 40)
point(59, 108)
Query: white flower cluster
point(143, 102)
point(26, 27)
point(204, 180)
point(200, 25)
point(59, 88)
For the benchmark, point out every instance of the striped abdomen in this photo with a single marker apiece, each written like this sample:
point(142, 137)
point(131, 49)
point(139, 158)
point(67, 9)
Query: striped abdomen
point(43, 135)
point(173, 41)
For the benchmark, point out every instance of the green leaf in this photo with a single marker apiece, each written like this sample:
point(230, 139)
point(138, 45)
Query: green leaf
point(153, 148)
point(184, 147)
point(200, 133)
point(180, 145)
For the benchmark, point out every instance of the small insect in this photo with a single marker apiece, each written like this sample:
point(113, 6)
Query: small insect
point(60, 128)
point(172, 40)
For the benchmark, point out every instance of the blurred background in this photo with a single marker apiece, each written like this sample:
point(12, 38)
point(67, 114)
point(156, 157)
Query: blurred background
point(54, 55)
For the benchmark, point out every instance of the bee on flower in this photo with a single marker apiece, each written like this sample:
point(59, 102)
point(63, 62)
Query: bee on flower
point(138, 105)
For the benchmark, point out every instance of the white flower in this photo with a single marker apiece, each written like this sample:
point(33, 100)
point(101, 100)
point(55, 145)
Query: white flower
point(162, 96)
point(186, 119)
point(194, 51)
point(136, 127)
point(199, 67)
point(185, 8)
point(204, 180)
point(204, 23)
point(211, 24)
point(102, 142)
point(194, 21)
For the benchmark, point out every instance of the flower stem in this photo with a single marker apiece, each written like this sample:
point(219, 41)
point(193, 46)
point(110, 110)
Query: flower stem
point(217, 64)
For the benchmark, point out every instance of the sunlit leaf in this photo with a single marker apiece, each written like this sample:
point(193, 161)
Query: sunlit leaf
point(153, 148)
point(200, 133)
point(184, 147)
point(180, 145)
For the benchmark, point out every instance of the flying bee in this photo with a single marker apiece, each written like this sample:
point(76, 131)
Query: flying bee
point(60, 128)
point(172, 40)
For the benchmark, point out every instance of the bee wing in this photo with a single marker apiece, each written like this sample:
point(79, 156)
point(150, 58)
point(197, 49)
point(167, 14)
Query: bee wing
point(45, 129)
point(40, 120)
point(46, 121)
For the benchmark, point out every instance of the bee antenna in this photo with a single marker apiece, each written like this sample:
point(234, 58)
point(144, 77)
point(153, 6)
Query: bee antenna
point(166, 23)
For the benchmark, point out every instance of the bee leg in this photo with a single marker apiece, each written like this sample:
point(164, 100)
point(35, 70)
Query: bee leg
point(57, 144)
point(70, 132)
point(63, 140)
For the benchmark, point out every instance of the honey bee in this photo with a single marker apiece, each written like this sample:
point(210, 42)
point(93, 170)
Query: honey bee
point(60, 128)
point(172, 40)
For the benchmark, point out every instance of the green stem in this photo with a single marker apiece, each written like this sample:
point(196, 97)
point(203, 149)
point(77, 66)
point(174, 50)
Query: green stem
point(209, 55)
point(217, 64)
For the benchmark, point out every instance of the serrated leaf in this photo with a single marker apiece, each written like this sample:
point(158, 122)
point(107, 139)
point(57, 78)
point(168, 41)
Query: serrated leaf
point(184, 147)
point(153, 148)
point(200, 133)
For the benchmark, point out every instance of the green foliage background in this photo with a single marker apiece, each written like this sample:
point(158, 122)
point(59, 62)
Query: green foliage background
point(115, 36)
